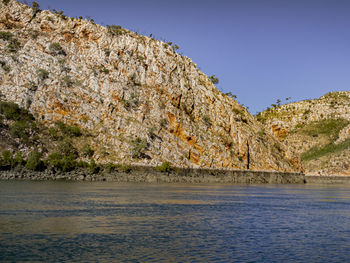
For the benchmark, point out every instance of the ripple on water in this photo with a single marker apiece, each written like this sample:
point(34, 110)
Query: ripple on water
point(107, 222)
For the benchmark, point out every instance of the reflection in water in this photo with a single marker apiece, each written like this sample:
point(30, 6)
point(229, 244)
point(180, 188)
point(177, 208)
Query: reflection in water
point(105, 222)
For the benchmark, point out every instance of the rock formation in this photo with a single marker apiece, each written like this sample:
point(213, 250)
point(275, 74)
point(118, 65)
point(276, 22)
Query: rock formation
point(317, 130)
point(138, 99)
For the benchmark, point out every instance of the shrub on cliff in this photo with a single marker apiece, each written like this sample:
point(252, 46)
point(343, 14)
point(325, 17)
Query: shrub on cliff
point(65, 147)
point(20, 129)
point(34, 161)
point(73, 130)
point(68, 130)
point(68, 81)
point(110, 167)
point(5, 67)
point(13, 112)
point(165, 167)
point(138, 146)
point(14, 46)
point(18, 159)
point(61, 162)
point(4, 35)
point(56, 49)
point(69, 163)
point(35, 6)
point(42, 74)
point(6, 2)
point(87, 151)
point(115, 30)
point(6, 159)
point(126, 168)
point(207, 120)
point(94, 168)
point(54, 160)
point(214, 79)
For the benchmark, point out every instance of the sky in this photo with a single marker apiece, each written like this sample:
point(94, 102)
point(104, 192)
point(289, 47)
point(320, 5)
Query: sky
point(261, 50)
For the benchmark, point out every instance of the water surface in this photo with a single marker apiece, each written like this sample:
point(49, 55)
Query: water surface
point(104, 222)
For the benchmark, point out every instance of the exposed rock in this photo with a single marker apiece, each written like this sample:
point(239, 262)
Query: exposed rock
point(150, 175)
point(317, 130)
point(140, 100)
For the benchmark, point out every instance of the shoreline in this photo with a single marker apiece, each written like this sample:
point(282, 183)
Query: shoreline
point(327, 179)
point(147, 174)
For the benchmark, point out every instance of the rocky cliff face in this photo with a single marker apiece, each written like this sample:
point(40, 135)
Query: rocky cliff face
point(140, 101)
point(317, 130)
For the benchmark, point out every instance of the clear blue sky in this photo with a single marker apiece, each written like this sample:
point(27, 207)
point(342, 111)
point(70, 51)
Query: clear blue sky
point(261, 50)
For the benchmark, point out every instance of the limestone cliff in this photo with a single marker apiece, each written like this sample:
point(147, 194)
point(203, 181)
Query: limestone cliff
point(317, 130)
point(140, 101)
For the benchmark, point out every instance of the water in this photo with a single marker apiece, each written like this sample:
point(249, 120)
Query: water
point(110, 222)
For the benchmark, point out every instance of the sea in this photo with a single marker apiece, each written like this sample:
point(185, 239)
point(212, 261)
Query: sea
point(124, 222)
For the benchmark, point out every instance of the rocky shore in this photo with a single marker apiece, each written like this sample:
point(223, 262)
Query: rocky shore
point(150, 175)
point(327, 179)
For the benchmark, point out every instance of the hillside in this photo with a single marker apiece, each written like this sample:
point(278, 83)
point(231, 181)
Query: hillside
point(136, 98)
point(316, 130)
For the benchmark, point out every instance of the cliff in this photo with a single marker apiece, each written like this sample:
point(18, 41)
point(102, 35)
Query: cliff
point(316, 130)
point(138, 100)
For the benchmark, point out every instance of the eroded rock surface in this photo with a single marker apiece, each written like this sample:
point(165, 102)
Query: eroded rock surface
point(317, 130)
point(140, 100)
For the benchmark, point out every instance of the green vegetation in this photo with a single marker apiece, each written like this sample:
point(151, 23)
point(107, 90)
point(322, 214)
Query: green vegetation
point(4, 35)
point(336, 97)
point(214, 79)
point(66, 147)
point(163, 123)
point(87, 151)
point(18, 159)
point(36, 7)
point(13, 112)
point(207, 120)
point(329, 128)
point(105, 71)
point(14, 46)
point(56, 49)
point(5, 67)
point(68, 81)
point(67, 130)
point(331, 148)
point(261, 133)
point(165, 167)
point(59, 14)
point(138, 146)
point(278, 147)
point(94, 168)
point(115, 30)
point(61, 162)
point(238, 111)
point(229, 94)
point(271, 113)
point(62, 154)
point(110, 167)
point(42, 74)
point(7, 158)
point(21, 129)
point(151, 132)
point(126, 168)
point(7, 161)
point(107, 52)
point(34, 161)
